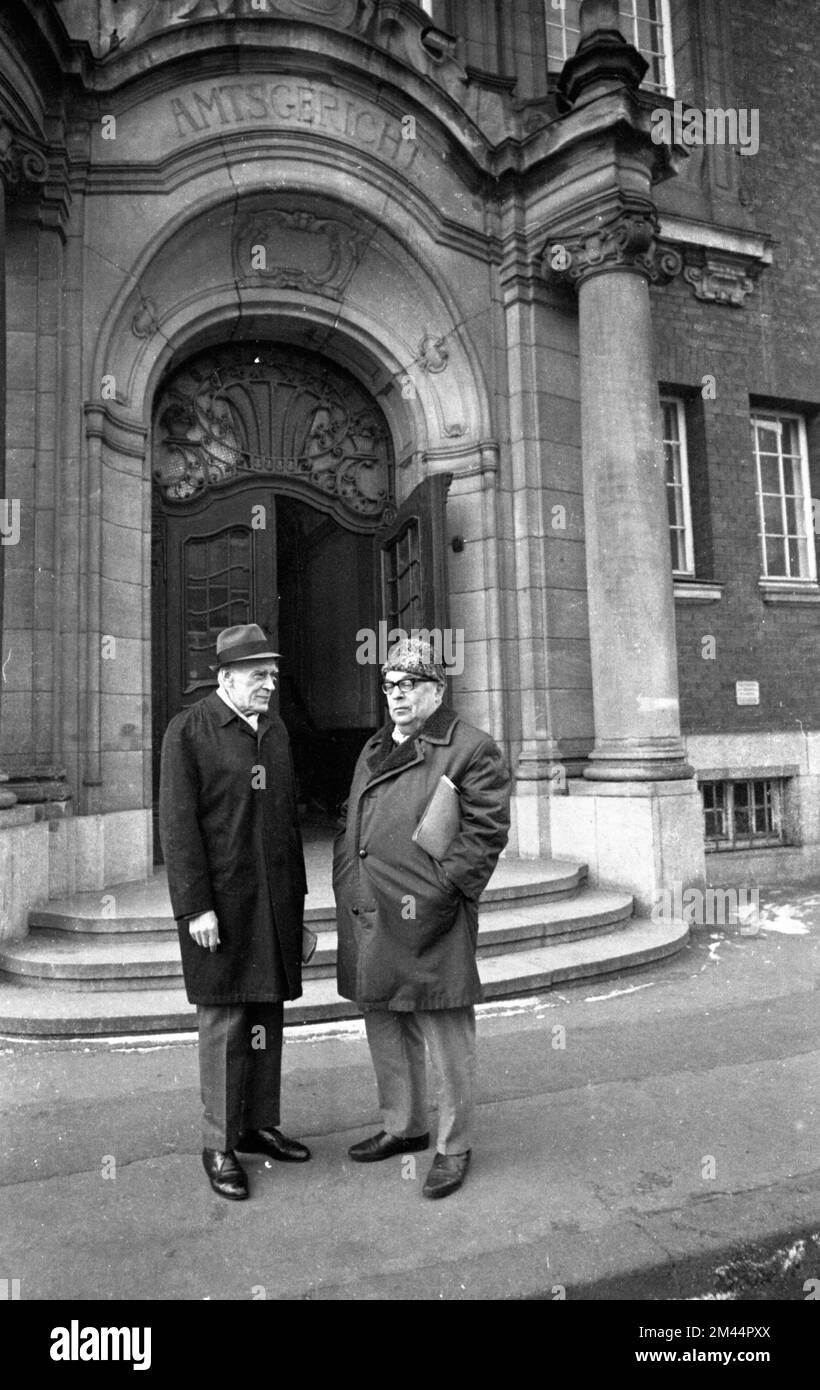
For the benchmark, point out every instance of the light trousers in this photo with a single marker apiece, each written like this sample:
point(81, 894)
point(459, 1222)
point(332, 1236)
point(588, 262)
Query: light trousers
point(240, 1069)
point(397, 1041)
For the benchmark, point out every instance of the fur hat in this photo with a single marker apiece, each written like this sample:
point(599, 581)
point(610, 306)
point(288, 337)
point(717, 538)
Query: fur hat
point(416, 657)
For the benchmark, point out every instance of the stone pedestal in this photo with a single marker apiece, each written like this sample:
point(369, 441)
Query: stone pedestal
point(24, 860)
point(645, 837)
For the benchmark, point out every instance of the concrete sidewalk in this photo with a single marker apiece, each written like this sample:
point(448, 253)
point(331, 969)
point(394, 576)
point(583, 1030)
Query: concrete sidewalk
point(633, 1135)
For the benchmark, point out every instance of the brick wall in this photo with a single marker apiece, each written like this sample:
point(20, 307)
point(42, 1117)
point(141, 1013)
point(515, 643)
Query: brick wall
point(768, 351)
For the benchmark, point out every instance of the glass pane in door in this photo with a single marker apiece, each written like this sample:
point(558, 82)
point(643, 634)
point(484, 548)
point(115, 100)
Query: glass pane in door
point(217, 593)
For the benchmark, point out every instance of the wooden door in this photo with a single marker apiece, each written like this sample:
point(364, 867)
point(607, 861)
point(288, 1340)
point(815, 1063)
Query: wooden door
point(412, 560)
point(221, 570)
point(214, 566)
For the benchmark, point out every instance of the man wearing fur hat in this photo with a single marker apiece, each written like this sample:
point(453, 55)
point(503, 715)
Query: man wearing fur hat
point(407, 922)
point(236, 876)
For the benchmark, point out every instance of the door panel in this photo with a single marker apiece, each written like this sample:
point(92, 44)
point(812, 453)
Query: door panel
point(412, 560)
point(221, 571)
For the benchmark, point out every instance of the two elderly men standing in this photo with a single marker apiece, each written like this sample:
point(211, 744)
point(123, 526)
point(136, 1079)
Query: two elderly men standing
point(407, 921)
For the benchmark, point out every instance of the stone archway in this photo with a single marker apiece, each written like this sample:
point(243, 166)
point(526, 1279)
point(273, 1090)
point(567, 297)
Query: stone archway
point(272, 473)
point(378, 314)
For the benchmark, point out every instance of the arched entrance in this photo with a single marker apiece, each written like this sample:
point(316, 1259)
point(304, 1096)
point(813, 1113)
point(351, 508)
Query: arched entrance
point(272, 475)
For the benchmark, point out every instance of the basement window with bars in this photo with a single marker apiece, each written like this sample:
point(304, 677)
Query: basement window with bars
point(744, 814)
point(644, 23)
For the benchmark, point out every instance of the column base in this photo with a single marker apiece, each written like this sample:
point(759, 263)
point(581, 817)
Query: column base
point(653, 760)
point(645, 837)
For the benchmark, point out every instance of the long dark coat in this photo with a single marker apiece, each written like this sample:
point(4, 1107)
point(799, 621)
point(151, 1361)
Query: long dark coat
point(407, 928)
point(231, 841)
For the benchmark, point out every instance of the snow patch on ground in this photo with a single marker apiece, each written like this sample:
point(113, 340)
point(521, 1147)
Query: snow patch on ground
point(784, 922)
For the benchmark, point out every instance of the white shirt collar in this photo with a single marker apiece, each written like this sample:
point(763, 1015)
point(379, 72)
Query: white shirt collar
point(252, 719)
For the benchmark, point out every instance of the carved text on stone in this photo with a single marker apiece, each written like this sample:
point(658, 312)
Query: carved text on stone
point(294, 103)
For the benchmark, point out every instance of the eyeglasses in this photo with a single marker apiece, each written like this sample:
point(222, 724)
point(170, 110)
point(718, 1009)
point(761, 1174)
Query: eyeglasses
point(405, 686)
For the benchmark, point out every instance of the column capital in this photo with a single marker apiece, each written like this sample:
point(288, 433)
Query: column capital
point(628, 242)
point(22, 159)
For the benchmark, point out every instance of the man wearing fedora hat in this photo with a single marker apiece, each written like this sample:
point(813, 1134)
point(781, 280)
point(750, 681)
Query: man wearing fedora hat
point(236, 876)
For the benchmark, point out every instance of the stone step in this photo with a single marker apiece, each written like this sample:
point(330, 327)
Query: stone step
point(53, 1013)
point(82, 961)
point(145, 906)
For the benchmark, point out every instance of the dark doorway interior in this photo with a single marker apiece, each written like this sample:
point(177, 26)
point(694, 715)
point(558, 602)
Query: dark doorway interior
point(328, 700)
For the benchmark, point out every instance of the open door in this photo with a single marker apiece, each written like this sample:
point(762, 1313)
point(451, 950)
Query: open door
point(221, 571)
point(412, 560)
point(213, 568)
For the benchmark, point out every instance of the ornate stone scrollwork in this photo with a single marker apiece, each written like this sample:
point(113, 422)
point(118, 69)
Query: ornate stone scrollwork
point(720, 281)
point(21, 159)
point(136, 20)
point(628, 242)
point(433, 354)
point(273, 414)
point(146, 320)
point(296, 250)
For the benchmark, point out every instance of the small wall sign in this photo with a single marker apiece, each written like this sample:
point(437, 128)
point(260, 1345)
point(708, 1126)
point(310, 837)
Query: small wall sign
point(747, 692)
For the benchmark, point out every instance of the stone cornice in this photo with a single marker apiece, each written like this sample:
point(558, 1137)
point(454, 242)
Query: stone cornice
point(721, 266)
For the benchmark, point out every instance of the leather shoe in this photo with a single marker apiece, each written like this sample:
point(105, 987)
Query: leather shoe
point(225, 1174)
point(383, 1145)
point(446, 1175)
point(274, 1144)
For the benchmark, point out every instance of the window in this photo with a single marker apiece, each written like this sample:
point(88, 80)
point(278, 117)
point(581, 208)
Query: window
point(677, 485)
point(645, 23)
point(401, 561)
point(743, 815)
point(783, 497)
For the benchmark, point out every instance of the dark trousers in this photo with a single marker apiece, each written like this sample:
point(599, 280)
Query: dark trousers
point(397, 1048)
point(240, 1069)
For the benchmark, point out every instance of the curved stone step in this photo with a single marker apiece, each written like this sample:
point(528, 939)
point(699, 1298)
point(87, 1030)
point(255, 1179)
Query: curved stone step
point(84, 961)
point(53, 1013)
point(145, 907)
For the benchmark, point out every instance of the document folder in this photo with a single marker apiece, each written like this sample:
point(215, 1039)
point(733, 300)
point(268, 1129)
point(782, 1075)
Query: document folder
point(441, 821)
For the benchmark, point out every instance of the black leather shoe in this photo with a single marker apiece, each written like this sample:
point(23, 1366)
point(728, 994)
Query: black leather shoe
point(383, 1145)
point(446, 1175)
point(274, 1144)
point(225, 1174)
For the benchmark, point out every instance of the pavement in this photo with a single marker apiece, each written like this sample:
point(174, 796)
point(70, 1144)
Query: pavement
point(653, 1135)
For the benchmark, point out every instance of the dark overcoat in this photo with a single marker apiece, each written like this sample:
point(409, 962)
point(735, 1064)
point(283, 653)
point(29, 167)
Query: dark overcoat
point(407, 927)
point(231, 841)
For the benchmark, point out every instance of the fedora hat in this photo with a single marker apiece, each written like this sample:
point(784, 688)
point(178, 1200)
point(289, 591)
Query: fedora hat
point(247, 642)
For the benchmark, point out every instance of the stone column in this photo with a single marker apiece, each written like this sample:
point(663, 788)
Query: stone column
point(7, 798)
point(635, 815)
point(628, 557)
point(21, 162)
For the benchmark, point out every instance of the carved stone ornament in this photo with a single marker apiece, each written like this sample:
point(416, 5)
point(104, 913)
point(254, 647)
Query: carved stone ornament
point(21, 159)
point(720, 281)
point(135, 20)
point(276, 414)
point(296, 250)
point(433, 354)
point(145, 321)
point(628, 242)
